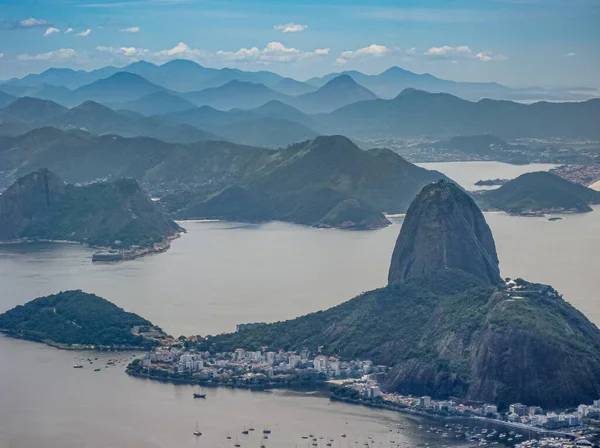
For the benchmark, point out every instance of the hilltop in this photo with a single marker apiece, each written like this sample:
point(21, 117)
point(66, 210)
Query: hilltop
point(40, 206)
point(451, 329)
point(540, 192)
point(72, 319)
point(309, 183)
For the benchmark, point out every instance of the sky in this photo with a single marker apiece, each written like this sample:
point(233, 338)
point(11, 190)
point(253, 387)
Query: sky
point(553, 43)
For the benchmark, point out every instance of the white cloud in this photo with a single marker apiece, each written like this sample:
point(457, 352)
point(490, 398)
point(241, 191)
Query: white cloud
point(179, 51)
point(123, 51)
point(68, 30)
point(371, 50)
point(57, 55)
point(1, 55)
point(570, 55)
point(411, 51)
point(32, 23)
point(273, 52)
point(462, 52)
point(131, 29)
point(290, 28)
point(84, 33)
point(51, 30)
point(448, 51)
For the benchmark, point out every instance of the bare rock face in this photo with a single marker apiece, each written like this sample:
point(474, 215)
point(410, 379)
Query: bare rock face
point(27, 198)
point(444, 229)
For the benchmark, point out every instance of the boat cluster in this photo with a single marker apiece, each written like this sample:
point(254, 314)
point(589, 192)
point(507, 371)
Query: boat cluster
point(480, 436)
point(246, 431)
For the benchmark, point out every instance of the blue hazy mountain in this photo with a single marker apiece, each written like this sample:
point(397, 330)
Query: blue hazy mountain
point(187, 76)
point(440, 115)
point(236, 94)
point(94, 117)
point(338, 92)
point(395, 79)
point(157, 103)
point(121, 86)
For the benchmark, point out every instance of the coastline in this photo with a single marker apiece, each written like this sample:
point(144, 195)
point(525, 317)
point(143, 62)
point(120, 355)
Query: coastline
point(104, 254)
point(75, 347)
point(237, 385)
point(112, 256)
point(410, 411)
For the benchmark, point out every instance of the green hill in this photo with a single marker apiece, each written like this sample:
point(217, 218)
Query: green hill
point(40, 206)
point(74, 318)
point(449, 329)
point(307, 181)
point(540, 192)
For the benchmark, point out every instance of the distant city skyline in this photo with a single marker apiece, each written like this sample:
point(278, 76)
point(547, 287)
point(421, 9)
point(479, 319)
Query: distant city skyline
point(513, 42)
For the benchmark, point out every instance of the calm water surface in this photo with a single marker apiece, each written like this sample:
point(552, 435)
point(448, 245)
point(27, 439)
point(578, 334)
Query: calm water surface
point(467, 173)
point(216, 276)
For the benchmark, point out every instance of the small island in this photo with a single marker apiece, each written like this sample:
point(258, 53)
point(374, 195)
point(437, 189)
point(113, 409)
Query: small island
point(491, 182)
point(77, 320)
point(353, 215)
point(116, 216)
point(538, 194)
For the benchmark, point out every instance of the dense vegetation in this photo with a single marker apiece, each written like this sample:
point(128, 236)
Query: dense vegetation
point(540, 191)
point(310, 182)
point(118, 214)
point(74, 318)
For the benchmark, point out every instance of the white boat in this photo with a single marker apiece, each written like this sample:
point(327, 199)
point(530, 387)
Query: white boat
point(197, 431)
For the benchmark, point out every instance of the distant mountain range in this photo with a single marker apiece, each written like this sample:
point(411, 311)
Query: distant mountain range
point(263, 127)
point(440, 115)
point(33, 113)
point(413, 113)
point(187, 76)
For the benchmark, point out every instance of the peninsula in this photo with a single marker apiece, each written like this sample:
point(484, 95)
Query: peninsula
point(117, 215)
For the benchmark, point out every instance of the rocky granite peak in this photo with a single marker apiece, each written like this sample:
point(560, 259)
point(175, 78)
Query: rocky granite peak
point(444, 229)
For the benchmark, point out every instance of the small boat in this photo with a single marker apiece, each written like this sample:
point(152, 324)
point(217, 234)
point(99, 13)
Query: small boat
point(228, 436)
point(251, 427)
point(266, 430)
point(237, 443)
point(97, 370)
point(245, 431)
point(343, 435)
point(197, 431)
point(199, 394)
point(78, 366)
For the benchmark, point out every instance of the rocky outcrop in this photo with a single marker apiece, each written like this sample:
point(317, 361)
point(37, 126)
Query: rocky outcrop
point(444, 229)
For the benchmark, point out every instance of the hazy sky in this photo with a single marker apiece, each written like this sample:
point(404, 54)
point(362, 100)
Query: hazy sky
point(515, 42)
